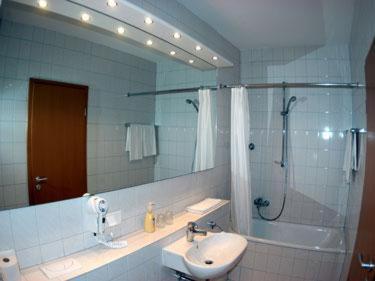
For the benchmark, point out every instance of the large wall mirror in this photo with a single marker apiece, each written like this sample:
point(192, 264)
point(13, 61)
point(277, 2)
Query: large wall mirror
point(67, 125)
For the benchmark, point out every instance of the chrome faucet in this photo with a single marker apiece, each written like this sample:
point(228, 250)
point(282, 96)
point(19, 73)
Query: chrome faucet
point(192, 230)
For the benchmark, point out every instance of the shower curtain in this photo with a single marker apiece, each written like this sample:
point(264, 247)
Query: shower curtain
point(240, 161)
point(206, 132)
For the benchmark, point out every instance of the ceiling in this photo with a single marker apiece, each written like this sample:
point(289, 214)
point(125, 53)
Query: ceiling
point(275, 23)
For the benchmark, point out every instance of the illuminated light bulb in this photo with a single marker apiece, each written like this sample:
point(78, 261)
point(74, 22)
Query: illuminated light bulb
point(215, 58)
point(111, 3)
point(120, 30)
point(191, 61)
point(198, 48)
point(172, 53)
point(85, 17)
point(149, 42)
point(176, 35)
point(42, 4)
point(148, 20)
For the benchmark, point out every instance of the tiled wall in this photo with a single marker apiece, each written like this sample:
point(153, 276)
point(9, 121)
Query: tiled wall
point(27, 51)
point(265, 262)
point(363, 32)
point(317, 193)
point(59, 225)
point(177, 120)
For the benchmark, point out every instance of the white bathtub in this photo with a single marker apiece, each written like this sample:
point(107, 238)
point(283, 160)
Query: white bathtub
point(286, 251)
point(298, 236)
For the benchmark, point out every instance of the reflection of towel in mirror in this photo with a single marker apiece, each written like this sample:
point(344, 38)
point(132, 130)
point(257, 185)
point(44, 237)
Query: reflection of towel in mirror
point(134, 144)
point(149, 140)
point(354, 145)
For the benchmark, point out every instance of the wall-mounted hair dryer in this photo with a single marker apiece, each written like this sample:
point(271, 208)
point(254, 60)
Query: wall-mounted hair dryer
point(97, 208)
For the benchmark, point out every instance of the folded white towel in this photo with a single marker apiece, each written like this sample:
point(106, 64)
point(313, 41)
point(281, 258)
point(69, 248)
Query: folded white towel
point(134, 144)
point(204, 206)
point(149, 140)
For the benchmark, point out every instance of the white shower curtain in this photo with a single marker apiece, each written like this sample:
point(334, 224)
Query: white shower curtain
point(206, 132)
point(240, 161)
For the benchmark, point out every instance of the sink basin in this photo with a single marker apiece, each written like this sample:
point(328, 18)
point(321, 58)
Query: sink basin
point(207, 257)
point(216, 255)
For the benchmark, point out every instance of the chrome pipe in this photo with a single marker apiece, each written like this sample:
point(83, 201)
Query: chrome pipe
point(252, 86)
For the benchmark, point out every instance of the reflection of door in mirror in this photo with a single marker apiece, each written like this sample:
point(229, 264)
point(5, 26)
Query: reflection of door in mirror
point(56, 144)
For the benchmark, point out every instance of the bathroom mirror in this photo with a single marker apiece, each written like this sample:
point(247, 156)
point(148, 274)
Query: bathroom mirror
point(67, 125)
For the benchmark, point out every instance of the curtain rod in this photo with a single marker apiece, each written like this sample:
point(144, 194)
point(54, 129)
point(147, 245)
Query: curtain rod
point(252, 86)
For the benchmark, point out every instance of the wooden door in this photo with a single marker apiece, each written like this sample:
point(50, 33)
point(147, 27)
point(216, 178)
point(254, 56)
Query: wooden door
point(365, 242)
point(56, 145)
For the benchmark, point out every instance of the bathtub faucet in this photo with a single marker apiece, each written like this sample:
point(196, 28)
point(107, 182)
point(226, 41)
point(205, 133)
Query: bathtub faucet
point(192, 230)
point(260, 202)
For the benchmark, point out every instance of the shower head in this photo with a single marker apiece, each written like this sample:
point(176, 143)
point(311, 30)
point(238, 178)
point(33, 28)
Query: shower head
point(195, 103)
point(286, 111)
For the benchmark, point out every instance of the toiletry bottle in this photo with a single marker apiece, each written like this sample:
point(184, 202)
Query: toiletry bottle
point(149, 219)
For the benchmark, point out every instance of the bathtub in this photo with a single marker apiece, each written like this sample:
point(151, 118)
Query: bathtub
point(298, 236)
point(286, 251)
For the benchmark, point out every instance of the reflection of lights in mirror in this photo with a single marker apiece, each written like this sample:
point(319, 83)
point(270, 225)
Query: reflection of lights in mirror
point(111, 3)
point(120, 30)
point(42, 4)
point(85, 17)
point(119, 66)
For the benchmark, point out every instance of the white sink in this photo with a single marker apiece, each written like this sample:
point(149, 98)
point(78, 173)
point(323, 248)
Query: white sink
point(207, 257)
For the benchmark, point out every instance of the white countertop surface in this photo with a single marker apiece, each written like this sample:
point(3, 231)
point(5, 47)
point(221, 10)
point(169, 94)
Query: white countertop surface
point(99, 256)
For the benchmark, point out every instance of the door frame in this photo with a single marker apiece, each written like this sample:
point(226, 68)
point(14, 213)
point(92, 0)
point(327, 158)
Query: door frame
point(32, 82)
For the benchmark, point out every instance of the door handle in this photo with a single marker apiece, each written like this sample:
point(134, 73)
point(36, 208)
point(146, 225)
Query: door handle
point(369, 266)
point(40, 179)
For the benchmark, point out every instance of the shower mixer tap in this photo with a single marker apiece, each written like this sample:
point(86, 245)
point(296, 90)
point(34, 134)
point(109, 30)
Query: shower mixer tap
point(260, 202)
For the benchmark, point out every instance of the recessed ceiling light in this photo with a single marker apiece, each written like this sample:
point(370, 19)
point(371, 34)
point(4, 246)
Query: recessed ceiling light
point(177, 35)
point(85, 17)
point(111, 3)
point(191, 61)
point(214, 58)
point(121, 30)
point(148, 20)
point(198, 48)
point(149, 42)
point(42, 4)
point(172, 53)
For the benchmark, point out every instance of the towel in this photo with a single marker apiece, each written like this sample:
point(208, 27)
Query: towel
point(204, 206)
point(134, 143)
point(148, 140)
point(354, 147)
point(348, 157)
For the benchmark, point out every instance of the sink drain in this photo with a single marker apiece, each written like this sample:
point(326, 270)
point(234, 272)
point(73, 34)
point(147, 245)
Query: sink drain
point(208, 262)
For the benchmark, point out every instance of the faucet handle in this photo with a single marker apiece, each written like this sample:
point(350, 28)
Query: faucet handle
point(192, 225)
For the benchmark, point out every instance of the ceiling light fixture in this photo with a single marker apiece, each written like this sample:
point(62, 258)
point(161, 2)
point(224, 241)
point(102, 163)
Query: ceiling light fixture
point(215, 58)
point(191, 61)
point(85, 17)
point(120, 30)
point(42, 4)
point(111, 3)
point(172, 53)
point(149, 42)
point(198, 48)
point(176, 35)
point(148, 20)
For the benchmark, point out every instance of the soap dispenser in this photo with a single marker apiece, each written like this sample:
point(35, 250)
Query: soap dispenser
point(150, 219)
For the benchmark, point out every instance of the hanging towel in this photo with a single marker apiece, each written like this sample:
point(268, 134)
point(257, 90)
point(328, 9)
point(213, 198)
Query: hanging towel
point(354, 147)
point(204, 206)
point(134, 143)
point(348, 157)
point(148, 140)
